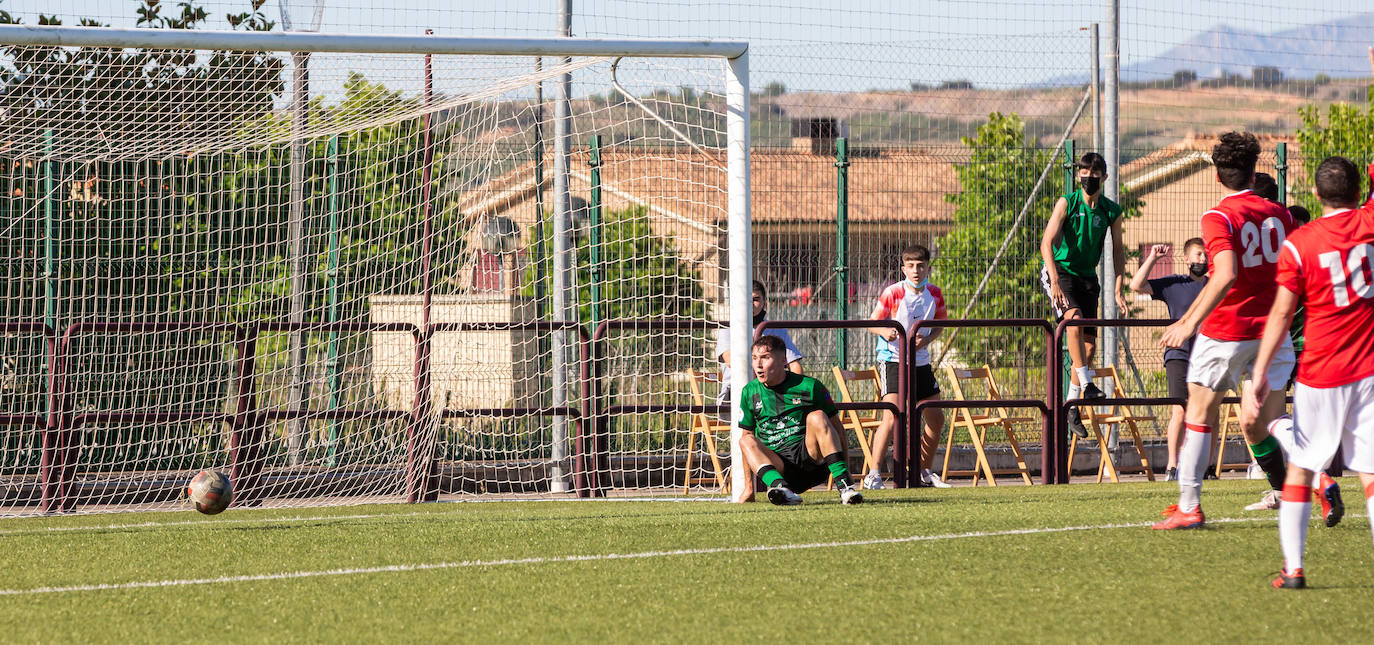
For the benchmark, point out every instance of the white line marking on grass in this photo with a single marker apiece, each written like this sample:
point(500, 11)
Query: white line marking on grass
point(400, 568)
point(260, 520)
point(301, 518)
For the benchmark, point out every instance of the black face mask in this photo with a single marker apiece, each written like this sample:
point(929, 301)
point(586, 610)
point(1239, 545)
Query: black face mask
point(1198, 269)
point(1090, 184)
point(760, 317)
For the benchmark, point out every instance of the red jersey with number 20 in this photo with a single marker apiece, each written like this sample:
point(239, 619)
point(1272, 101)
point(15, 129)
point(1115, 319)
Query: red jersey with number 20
point(1253, 228)
point(1327, 264)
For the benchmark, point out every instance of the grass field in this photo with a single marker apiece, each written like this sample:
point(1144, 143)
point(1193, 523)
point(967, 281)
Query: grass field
point(1064, 564)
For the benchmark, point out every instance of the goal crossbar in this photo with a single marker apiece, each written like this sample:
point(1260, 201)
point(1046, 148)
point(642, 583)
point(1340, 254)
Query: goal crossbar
point(62, 36)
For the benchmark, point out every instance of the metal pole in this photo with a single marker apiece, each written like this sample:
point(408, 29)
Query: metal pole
point(49, 236)
point(842, 248)
point(300, 100)
point(1281, 171)
point(332, 288)
point(1112, 189)
point(562, 256)
point(426, 197)
point(428, 489)
point(594, 162)
point(1070, 177)
point(1097, 88)
point(540, 251)
point(741, 268)
point(1069, 171)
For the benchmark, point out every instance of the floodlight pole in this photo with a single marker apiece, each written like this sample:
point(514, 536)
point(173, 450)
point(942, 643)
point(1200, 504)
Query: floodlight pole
point(562, 260)
point(741, 268)
point(1112, 189)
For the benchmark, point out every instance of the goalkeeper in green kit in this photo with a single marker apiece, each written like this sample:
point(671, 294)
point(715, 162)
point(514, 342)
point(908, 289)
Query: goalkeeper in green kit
point(791, 439)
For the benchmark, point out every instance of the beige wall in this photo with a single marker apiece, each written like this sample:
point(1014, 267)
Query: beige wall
point(469, 369)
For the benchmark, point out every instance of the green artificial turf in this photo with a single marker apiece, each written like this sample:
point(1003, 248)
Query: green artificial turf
point(941, 579)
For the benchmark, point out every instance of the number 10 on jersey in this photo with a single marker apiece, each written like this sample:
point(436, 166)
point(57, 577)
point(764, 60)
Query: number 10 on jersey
point(1355, 266)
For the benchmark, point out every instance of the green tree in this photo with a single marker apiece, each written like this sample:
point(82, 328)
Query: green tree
point(774, 88)
point(999, 175)
point(643, 278)
point(1266, 76)
point(1346, 129)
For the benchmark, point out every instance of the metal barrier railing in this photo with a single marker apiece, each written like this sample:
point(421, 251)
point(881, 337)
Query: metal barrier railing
point(590, 415)
point(1061, 430)
point(47, 420)
point(902, 470)
point(1062, 405)
point(246, 422)
point(1045, 408)
point(587, 482)
point(601, 411)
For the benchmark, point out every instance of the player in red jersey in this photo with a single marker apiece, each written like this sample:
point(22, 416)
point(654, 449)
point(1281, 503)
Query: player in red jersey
point(1244, 234)
point(1327, 267)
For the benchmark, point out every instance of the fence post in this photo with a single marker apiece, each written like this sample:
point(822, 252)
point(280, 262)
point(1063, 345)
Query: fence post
point(842, 248)
point(1069, 177)
point(245, 434)
point(594, 216)
point(332, 287)
point(49, 233)
point(1068, 165)
point(1281, 169)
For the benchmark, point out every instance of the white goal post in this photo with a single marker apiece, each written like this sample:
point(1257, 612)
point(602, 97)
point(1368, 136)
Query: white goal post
point(734, 53)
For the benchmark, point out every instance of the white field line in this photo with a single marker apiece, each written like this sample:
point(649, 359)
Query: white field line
point(399, 568)
point(159, 525)
point(327, 518)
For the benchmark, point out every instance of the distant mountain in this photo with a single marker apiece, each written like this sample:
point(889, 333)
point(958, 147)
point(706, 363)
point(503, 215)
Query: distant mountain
point(1337, 49)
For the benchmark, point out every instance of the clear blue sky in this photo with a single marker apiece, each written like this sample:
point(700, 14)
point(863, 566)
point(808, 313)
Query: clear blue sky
point(809, 44)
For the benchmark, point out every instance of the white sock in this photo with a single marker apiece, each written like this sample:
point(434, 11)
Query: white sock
point(1083, 378)
point(1075, 391)
point(874, 472)
point(1369, 507)
point(1293, 517)
point(1192, 461)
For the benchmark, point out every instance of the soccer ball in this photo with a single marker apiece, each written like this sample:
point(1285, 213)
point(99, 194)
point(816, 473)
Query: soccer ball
point(210, 491)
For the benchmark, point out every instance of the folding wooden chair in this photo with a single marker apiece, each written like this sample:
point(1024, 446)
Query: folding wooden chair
point(708, 427)
point(1230, 415)
point(977, 426)
point(1119, 415)
point(861, 423)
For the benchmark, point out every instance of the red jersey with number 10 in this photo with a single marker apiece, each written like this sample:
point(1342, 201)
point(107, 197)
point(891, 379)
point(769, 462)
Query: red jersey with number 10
point(1253, 228)
point(1327, 264)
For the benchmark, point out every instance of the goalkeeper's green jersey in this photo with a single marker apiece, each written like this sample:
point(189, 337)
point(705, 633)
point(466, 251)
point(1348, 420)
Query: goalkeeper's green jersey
point(1085, 229)
point(777, 414)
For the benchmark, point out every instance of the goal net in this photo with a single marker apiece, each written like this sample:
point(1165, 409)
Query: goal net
point(348, 277)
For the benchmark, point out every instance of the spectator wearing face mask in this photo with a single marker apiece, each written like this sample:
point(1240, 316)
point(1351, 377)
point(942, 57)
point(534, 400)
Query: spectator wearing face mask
point(1177, 292)
point(1071, 247)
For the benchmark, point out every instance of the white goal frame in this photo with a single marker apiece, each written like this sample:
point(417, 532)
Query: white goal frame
point(734, 52)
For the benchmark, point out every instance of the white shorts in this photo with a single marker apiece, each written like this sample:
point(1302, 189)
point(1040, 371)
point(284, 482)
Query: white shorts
point(1326, 418)
point(1221, 364)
